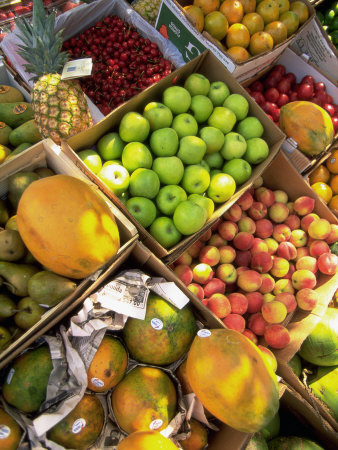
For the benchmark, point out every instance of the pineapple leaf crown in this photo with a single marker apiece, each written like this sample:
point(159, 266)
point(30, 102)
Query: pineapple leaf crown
point(41, 46)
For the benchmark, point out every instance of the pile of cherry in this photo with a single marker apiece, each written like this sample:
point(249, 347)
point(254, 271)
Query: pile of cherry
point(124, 63)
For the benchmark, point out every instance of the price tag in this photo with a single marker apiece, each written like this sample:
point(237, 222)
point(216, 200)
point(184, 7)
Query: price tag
point(77, 68)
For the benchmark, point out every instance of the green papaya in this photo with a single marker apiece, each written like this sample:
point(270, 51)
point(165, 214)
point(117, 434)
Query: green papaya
point(19, 149)
point(293, 443)
point(16, 113)
point(257, 442)
point(27, 132)
point(324, 385)
point(5, 131)
point(10, 94)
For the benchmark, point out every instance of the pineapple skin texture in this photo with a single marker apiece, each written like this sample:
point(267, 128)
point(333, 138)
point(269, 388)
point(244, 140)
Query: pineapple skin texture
point(60, 107)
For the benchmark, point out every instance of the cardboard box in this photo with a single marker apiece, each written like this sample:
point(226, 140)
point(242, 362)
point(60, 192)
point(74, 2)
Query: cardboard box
point(210, 66)
point(174, 22)
point(44, 154)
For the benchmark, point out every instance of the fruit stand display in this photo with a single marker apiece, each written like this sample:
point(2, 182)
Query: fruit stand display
point(327, 13)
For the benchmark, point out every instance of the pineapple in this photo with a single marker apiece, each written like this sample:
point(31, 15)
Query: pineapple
point(60, 106)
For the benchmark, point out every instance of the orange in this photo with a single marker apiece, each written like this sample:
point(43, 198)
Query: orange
point(233, 10)
point(237, 35)
point(333, 203)
point(260, 42)
point(239, 54)
point(291, 20)
point(277, 30)
point(321, 173)
point(301, 10)
point(332, 162)
point(197, 15)
point(283, 5)
point(269, 10)
point(334, 184)
point(207, 6)
point(248, 6)
point(254, 22)
point(216, 24)
point(323, 190)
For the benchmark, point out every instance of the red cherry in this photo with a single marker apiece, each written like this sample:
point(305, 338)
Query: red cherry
point(329, 98)
point(335, 123)
point(330, 109)
point(280, 68)
point(269, 107)
point(276, 74)
point(283, 99)
point(291, 77)
point(293, 96)
point(320, 86)
point(275, 114)
point(270, 82)
point(305, 91)
point(257, 86)
point(271, 95)
point(322, 97)
point(258, 97)
point(308, 79)
point(284, 86)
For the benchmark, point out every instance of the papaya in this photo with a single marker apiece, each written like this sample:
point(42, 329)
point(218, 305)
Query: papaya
point(308, 124)
point(27, 132)
point(272, 429)
point(324, 385)
point(82, 426)
point(257, 442)
point(163, 336)
point(19, 149)
point(5, 131)
point(198, 437)
point(293, 443)
point(231, 379)
point(26, 383)
point(15, 114)
point(108, 365)
point(74, 234)
point(10, 94)
point(144, 399)
point(146, 440)
point(10, 432)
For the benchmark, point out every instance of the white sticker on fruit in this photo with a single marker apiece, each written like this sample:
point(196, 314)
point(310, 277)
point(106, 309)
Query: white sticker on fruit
point(5, 431)
point(10, 376)
point(97, 382)
point(156, 424)
point(78, 425)
point(203, 333)
point(157, 324)
point(78, 68)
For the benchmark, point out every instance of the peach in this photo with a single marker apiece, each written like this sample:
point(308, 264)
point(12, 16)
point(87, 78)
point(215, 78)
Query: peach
point(243, 240)
point(288, 299)
point(278, 212)
point(319, 229)
point(215, 285)
point(262, 262)
point(268, 283)
point(217, 240)
point(238, 302)
point(292, 221)
point(265, 195)
point(206, 235)
point(318, 247)
point(215, 225)
point(202, 273)
point(304, 205)
point(240, 270)
point(328, 263)
point(195, 248)
point(209, 254)
point(234, 213)
point(264, 228)
point(276, 336)
point(184, 258)
point(272, 245)
point(184, 273)
point(290, 206)
point(258, 182)
point(254, 301)
point(250, 335)
point(292, 268)
point(219, 305)
point(306, 220)
point(268, 357)
point(281, 196)
point(197, 290)
point(298, 238)
point(287, 251)
point(269, 297)
point(257, 211)
point(227, 230)
point(307, 299)
point(258, 246)
point(243, 258)
point(226, 273)
point(274, 312)
point(303, 278)
point(227, 254)
point(249, 281)
point(257, 324)
point(246, 224)
point(333, 236)
point(234, 322)
point(307, 262)
point(245, 201)
point(281, 232)
point(302, 251)
point(205, 301)
point(283, 285)
point(280, 267)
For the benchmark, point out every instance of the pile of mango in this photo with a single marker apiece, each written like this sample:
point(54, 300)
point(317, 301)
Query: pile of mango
point(328, 17)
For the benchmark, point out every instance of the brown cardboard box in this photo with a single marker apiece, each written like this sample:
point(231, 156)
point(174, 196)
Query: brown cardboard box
point(211, 67)
point(44, 154)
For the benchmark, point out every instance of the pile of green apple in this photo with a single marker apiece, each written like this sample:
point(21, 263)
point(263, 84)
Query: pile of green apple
point(174, 161)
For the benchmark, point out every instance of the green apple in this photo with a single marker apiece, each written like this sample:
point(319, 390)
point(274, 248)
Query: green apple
point(169, 169)
point(195, 179)
point(91, 159)
point(239, 169)
point(218, 92)
point(189, 217)
point(164, 142)
point(214, 160)
point(112, 161)
point(257, 150)
point(110, 146)
point(123, 197)
point(136, 155)
point(144, 183)
point(201, 107)
point(191, 150)
point(222, 118)
point(185, 125)
point(169, 197)
point(214, 172)
point(134, 127)
point(165, 232)
point(158, 115)
point(222, 187)
point(196, 84)
point(238, 104)
point(177, 99)
point(234, 146)
point(142, 209)
point(205, 165)
point(213, 137)
point(250, 127)
point(116, 177)
point(203, 201)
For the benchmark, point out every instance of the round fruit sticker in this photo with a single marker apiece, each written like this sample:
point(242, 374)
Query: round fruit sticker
point(97, 382)
point(19, 109)
point(203, 333)
point(156, 424)
point(4, 89)
point(5, 431)
point(78, 425)
point(157, 324)
point(2, 124)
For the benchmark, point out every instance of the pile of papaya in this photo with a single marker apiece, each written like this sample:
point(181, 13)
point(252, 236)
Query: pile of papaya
point(18, 130)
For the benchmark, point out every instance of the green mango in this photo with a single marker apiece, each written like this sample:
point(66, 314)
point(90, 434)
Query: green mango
point(15, 114)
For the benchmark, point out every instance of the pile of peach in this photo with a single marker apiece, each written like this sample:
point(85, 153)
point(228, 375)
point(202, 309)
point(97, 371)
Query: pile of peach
point(260, 262)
